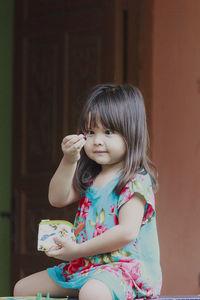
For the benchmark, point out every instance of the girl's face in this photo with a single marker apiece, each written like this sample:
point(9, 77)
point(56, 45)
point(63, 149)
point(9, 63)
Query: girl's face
point(105, 147)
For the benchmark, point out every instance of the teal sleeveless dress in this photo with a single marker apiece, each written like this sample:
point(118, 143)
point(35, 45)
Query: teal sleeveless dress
point(131, 272)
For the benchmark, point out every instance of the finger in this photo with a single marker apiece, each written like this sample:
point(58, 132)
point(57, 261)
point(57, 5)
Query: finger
point(53, 253)
point(71, 144)
point(54, 249)
point(59, 241)
point(78, 145)
point(74, 148)
point(72, 138)
point(75, 140)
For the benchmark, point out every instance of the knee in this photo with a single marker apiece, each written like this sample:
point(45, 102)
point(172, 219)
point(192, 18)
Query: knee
point(18, 288)
point(95, 289)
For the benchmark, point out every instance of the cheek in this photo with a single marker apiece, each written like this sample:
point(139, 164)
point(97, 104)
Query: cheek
point(123, 147)
point(123, 152)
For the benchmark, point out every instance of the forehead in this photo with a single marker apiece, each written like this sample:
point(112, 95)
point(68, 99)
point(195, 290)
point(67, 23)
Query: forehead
point(98, 116)
point(94, 121)
point(93, 118)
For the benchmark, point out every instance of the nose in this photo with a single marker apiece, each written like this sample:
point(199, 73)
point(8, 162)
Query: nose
point(98, 139)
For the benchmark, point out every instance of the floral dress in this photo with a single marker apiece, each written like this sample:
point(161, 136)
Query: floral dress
point(130, 272)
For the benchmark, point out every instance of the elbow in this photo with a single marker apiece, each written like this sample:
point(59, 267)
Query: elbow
point(55, 202)
point(51, 200)
point(129, 236)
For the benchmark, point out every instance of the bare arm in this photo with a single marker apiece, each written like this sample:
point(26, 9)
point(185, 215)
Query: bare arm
point(61, 190)
point(130, 219)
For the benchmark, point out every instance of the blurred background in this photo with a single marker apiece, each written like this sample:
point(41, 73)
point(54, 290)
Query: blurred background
point(51, 54)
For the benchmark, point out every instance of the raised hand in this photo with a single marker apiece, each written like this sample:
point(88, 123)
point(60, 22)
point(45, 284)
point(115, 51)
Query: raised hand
point(71, 147)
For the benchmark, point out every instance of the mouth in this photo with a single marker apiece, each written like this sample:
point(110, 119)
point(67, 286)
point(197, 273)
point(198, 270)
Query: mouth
point(98, 151)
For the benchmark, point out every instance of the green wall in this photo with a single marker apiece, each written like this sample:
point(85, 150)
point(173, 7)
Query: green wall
point(6, 59)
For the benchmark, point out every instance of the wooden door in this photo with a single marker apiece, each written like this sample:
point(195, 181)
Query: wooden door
point(62, 49)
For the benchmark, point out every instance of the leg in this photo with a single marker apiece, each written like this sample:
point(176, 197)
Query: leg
point(42, 283)
point(95, 289)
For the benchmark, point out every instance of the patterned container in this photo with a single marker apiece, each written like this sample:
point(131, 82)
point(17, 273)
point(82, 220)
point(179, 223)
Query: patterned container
point(48, 229)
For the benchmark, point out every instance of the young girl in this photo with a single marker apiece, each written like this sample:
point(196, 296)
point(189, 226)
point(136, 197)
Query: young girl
point(106, 168)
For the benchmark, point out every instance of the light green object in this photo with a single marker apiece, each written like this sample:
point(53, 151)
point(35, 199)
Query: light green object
point(31, 298)
point(38, 297)
point(48, 296)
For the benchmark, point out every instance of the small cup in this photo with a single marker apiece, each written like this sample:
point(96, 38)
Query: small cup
point(48, 229)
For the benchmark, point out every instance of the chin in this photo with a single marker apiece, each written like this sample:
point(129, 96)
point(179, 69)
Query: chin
point(101, 162)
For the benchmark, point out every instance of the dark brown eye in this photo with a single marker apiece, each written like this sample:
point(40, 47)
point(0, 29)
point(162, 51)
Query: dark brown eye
point(90, 132)
point(109, 132)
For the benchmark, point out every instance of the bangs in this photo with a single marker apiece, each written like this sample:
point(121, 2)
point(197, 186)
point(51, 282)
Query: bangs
point(105, 111)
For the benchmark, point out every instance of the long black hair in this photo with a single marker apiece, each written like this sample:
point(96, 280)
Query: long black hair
point(119, 108)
